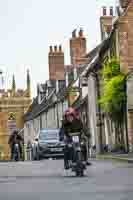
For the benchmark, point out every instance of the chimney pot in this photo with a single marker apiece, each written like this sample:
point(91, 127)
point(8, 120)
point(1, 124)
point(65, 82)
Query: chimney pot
point(55, 48)
point(60, 48)
point(104, 11)
point(74, 33)
point(81, 33)
point(51, 49)
point(111, 11)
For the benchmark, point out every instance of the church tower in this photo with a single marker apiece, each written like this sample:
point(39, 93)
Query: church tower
point(13, 104)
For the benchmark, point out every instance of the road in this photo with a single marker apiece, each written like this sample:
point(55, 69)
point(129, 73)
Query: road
point(46, 180)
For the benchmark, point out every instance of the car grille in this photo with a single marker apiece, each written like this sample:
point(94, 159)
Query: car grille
point(52, 144)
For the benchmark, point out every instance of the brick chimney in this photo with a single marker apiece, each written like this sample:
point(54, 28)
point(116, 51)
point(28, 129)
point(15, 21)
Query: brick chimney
point(106, 22)
point(124, 3)
point(56, 63)
point(77, 47)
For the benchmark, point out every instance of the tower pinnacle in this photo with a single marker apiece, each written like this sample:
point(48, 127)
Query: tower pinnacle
point(28, 83)
point(13, 85)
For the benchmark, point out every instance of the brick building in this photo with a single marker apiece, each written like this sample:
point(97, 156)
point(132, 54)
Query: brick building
point(125, 35)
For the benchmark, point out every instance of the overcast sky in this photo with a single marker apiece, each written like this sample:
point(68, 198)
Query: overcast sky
point(28, 27)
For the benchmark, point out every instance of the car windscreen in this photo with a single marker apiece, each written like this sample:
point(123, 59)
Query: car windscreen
point(49, 135)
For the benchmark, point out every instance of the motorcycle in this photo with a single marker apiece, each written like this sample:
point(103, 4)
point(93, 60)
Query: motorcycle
point(76, 164)
point(16, 152)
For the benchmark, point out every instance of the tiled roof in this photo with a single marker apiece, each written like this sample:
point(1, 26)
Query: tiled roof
point(94, 51)
point(29, 114)
point(106, 44)
point(62, 93)
point(36, 108)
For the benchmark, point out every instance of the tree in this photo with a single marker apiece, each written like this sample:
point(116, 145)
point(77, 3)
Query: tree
point(114, 96)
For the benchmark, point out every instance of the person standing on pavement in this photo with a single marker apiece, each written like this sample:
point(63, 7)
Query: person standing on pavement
point(13, 139)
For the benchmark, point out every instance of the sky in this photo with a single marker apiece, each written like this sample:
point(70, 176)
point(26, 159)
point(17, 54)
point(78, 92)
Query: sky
point(29, 27)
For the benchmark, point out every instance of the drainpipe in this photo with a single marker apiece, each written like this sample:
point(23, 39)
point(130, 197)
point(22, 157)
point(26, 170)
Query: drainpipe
point(57, 115)
point(125, 116)
point(80, 89)
point(100, 121)
point(46, 119)
point(40, 121)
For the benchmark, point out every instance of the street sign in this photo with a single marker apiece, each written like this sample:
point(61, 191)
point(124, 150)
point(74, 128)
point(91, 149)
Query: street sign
point(11, 126)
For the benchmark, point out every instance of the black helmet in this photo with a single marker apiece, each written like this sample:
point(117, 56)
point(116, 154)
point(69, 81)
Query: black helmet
point(15, 132)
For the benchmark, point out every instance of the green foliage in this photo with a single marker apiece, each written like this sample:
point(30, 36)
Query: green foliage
point(113, 98)
point(111, 69)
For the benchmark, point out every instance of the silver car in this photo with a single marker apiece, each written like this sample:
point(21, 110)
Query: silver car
point(48, 144)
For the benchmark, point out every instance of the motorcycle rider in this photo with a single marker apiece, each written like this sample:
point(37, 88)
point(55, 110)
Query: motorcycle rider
point(15, 138)
point(70, 125)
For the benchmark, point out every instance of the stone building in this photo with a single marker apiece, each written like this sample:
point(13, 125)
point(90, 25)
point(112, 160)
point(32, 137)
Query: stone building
point(13, 104)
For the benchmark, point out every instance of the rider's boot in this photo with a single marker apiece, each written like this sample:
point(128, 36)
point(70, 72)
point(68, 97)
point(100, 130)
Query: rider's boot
point(66, 165)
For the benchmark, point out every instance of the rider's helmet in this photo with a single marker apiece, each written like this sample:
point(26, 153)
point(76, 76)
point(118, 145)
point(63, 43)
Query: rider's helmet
point(69, 112)
point(15, 132)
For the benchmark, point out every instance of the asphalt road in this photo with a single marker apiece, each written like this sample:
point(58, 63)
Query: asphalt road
point(46, 180)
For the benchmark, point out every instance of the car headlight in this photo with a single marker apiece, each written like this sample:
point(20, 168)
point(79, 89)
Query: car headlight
point(62, 144)
point(42, 146)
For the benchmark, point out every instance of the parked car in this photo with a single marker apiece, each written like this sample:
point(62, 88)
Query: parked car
point(47, 144)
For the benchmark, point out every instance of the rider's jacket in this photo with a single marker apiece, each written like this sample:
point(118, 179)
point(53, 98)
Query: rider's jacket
point(14, 138)
point(72, 127)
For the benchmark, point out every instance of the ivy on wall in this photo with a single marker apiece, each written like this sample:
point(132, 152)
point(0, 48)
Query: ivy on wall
point(114, 95)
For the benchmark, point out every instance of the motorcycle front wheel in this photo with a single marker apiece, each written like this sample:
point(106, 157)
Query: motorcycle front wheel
point(79, 168)
point(80, 173)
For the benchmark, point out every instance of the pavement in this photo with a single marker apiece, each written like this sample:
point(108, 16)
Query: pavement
point(118, 157)
point(104, 180)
